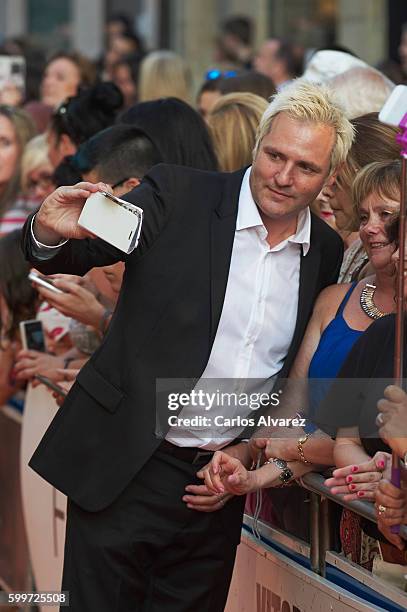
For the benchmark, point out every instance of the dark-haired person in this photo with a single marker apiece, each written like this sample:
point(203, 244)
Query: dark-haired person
point(178, 132)
point(80, 117)
point(119, 47)
point(279, 60)
point(221, 285)
point(248, 81)
point(18, 302)
point(118, 24)
point(64, 75)
point(208, 94)
point(125, 73)
point(234, 43)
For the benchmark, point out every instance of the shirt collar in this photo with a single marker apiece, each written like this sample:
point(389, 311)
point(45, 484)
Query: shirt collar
point(248, 216)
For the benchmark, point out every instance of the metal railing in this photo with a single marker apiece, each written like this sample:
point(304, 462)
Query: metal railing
point(319, 517)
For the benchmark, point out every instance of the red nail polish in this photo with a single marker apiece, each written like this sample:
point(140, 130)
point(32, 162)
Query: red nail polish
point(381, 464)
point(361, 493)
point(349, 478)
point(352, 487)
point(354, 468)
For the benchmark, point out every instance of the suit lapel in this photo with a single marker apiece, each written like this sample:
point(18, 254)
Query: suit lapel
point(222, 236)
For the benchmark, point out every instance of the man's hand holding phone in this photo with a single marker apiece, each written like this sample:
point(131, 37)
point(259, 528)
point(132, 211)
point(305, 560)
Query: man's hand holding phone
point(57, 218)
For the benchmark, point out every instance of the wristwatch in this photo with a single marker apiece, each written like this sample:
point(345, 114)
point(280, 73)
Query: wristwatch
point(286, 473)
point(300, 442)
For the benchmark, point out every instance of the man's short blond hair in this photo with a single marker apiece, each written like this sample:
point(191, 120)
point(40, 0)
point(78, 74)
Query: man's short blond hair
point(307, 101)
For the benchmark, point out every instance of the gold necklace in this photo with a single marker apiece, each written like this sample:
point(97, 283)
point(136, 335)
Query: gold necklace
point(367, 304)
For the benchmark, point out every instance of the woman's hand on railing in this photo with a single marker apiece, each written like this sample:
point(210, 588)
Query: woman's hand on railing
point(360, 481)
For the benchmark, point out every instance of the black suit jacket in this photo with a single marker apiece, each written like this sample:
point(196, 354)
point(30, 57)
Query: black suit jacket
point(163, 327)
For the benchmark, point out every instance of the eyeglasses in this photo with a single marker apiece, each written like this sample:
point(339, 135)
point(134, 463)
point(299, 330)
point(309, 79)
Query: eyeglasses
point(211, 75)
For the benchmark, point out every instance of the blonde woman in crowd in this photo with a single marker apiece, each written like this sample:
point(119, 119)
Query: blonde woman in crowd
point(36, 183)
point(233, 123)
point(16, 129)
point(164, 74)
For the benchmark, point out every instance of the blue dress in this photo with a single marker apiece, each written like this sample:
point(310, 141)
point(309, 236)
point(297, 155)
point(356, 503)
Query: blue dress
point(334, 346)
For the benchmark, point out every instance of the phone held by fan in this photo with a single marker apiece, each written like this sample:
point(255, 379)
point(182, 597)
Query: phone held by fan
point(43, 281)
point(51, 385)
point(32, 335)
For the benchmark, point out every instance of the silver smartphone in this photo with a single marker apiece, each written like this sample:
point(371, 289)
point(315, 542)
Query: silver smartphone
point(44, 282)
point(51, 385)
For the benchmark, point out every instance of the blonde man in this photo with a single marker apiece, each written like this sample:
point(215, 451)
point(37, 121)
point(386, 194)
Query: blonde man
point(221, 286)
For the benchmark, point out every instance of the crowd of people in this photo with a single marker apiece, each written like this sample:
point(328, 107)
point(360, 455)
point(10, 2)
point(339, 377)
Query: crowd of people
point(290, 157)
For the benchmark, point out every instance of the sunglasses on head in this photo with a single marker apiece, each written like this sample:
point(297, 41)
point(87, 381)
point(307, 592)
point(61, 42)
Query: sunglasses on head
point(213, 74)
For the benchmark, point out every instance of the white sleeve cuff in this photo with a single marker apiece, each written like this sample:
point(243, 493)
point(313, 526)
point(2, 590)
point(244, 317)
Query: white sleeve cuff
point(40, 246)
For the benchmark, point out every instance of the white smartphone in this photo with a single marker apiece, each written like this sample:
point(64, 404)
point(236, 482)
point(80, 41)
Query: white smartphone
point(395, 106)
point(32, 335)
point(44, 282)
point(114, 220)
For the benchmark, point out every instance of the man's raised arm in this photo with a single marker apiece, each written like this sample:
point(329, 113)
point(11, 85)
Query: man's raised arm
point(54, 242)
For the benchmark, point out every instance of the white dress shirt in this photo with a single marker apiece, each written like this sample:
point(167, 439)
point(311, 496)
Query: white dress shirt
point(257, 320)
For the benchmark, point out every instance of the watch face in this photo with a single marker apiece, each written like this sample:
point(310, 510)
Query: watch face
point(286, 475)
point(280, 463)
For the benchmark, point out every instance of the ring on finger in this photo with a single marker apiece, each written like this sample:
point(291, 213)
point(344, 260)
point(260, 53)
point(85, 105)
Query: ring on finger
point(381, 509)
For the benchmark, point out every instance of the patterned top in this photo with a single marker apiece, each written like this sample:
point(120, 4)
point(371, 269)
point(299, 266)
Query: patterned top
point(353, 261)
point(14, 218)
